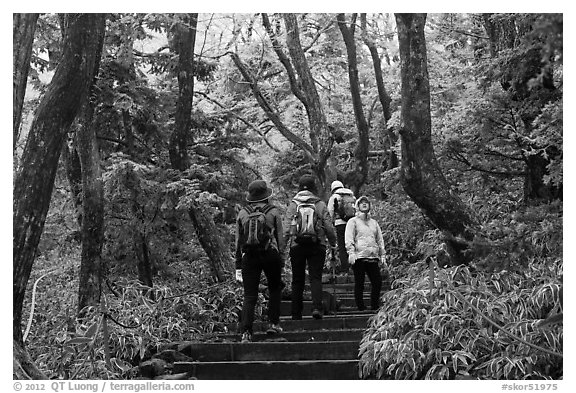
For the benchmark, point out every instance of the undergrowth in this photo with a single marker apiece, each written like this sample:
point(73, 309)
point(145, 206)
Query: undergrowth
point(423, 334)
point(141, 320)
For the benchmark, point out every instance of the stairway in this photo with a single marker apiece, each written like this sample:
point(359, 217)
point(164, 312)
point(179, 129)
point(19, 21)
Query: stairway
point(324, 349)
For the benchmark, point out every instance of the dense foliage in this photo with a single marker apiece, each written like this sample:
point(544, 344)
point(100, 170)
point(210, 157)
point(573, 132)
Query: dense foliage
point(497, 132)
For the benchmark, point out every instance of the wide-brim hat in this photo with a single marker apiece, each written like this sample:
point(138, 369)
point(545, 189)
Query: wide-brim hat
point(258, 191)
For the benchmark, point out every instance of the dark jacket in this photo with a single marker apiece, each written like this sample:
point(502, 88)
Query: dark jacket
point(326, 229)
point(273, 220)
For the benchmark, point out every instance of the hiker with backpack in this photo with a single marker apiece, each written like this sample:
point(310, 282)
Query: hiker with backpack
point(341, 207)
point(259, 240)
point(308, 229)
point(366, 253)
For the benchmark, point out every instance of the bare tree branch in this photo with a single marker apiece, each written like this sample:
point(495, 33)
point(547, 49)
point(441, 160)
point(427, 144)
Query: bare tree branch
point(271, 112)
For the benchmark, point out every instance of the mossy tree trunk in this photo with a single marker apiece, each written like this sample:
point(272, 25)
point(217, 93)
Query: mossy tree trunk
point(421, 176)
point(34, 180)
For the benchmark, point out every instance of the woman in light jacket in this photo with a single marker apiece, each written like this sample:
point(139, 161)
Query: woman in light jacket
point(365, 247)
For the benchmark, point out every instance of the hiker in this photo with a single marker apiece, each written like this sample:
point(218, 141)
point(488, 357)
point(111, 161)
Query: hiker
point(307, 225)
point(341, 207)
point(259, 239)
point(366, 252)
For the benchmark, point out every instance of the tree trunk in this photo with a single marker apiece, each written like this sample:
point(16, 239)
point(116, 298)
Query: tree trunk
point(74, 176)
point(421, 176)
point(91, 269)
point(184, 39)
point(504, 35)
point(22, 39)
point(23, 368)
point(34, 182)
point(361, 151)
point(211, 241)
point(320, 136)
point(383, 96)
point(138, 230)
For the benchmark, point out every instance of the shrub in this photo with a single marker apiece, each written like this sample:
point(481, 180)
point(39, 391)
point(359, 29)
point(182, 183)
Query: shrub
point(418, 334)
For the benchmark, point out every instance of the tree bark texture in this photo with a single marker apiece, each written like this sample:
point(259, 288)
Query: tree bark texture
point(22, 39)
point(320, 136)
point(421, 176)
point(91, 269)
point(361, 151)
point(183, 41)
point(211, 241)
point(34, 181)
point(138, 230)
point(383, 96)
point(74, 176)
point(23, 368)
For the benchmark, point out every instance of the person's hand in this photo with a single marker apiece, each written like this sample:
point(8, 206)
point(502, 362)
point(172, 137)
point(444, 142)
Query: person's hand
point(239, 275)
point(383, 262)
point(351, 258)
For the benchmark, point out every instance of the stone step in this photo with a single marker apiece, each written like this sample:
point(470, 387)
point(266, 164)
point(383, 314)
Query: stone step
point(281, 370)
point(345, 311)
point(302, 336)
point(348, 286)
point(271, 351)
point(308, 323)
point(343, 303)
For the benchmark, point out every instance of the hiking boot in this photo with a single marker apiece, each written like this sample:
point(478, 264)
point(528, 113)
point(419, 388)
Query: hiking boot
point(246, 337)
point(317, 314)
point(274, 328)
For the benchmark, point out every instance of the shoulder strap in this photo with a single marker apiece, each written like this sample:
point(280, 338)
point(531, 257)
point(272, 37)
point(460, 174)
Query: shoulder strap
point(267, 208)
point(249, 209)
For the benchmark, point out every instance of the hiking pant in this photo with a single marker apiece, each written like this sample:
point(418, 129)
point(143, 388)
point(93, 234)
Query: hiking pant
point(270, 262)
point(369, 267)
point(342, 253)
point(312, 256)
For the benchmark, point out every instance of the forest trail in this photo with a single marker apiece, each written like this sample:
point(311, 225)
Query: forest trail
point(324, 349)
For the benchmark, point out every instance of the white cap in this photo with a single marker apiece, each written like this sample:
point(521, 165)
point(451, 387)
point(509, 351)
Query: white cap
point(336, 184)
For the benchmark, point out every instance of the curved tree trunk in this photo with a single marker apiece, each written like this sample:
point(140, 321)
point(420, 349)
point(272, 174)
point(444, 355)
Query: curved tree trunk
point(421, 176)
point(23, 367)
point(211, 241)
point(34, 182)
point(361, 151)
point(22, 39)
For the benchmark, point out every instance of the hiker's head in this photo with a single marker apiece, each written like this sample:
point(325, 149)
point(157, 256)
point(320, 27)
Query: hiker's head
point(363, 204)
point(336, 184)
point(258, 191)
point(307, 182)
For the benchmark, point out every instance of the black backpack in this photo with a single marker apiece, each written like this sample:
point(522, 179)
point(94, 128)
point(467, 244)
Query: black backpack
point(344, 206)
point(257, 231)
